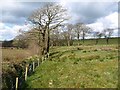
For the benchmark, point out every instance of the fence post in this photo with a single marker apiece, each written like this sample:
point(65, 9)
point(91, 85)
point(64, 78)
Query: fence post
point(26, 71)
point(48, 55)
point(16, 83)
point(45, 56)
point(42, 59)
point(33, 66)
point(38, 62)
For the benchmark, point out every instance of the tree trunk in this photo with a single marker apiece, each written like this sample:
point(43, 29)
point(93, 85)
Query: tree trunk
point(78, 39)
point(107, 40)
point(68, 44)
point(39, 43)
point(83, 36)
point(43, 44)
point(96, 41)
point(71, 41)
point(48, 41)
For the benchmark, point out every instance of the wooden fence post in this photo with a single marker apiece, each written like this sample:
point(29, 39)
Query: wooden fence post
point(45, 57)
point(26, 71)
point(33, 66)
point(38, 62)
point(16, 83)
point(48, 55)
point(42, 59)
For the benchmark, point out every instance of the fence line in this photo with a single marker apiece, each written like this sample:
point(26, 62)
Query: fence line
point(29, 68)
point(16, 80)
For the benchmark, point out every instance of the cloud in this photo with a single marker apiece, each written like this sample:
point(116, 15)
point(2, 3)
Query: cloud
point(88, 12)
point(109, 21)
point(18, 12)
point(9, 32)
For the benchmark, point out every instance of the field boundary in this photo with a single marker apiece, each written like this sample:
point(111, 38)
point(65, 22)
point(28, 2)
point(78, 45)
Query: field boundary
point(29, 69)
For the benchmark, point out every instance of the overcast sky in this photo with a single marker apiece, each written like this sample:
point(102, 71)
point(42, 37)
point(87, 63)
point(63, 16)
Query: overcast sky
point(97, 15)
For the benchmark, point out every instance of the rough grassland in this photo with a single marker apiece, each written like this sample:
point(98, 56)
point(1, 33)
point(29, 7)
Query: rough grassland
point(78, 67)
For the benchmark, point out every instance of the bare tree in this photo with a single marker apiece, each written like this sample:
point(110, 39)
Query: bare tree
point(55, 36)
point(98, 35)
point(77, 28)
point(81, 28)
point(69, 34)
point(28, 40)
point(20, 41)
point(45, 19)
point(85, 29)
point(107, 34)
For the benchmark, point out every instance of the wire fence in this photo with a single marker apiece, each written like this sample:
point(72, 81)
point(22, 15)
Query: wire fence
point(16, 82)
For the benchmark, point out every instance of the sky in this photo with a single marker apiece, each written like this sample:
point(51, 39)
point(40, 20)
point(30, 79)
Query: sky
point(95, 14)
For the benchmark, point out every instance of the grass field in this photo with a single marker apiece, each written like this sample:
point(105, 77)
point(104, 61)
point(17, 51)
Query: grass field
point(101, 41)
point(14, 55)
point(78, 67)
point(87, 65)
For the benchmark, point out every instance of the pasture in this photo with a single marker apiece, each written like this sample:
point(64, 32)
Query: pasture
point(93, 66)
point(84, 66)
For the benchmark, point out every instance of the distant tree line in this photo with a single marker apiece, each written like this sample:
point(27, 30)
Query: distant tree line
point(7, 43)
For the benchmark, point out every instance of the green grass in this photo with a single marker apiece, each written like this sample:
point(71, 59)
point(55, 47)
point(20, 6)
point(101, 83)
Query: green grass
point(101, 41)
point(78, 67)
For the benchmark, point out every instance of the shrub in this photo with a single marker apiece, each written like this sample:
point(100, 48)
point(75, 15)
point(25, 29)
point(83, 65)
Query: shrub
point(84, 51)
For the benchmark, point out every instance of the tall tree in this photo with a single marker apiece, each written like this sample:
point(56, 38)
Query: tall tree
point(77, 28)
point(98, 35)
point(81, 28)
point(69, 33)
point(45, 19)
point(108, 33)
point(85, 29)
point(20, 41)
point(55, 36)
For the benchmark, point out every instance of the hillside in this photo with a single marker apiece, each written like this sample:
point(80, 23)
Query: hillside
point(78, 67)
